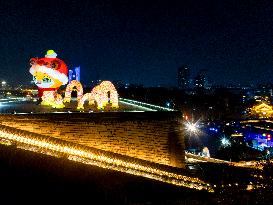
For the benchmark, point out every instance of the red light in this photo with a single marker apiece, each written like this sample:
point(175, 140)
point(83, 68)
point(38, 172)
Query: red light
point(268, 137)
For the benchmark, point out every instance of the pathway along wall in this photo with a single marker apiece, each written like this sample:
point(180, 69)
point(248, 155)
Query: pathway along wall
point(152, 136)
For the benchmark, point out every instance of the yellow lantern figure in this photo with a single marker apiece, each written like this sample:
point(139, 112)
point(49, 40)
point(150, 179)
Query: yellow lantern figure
point(52, 98)
point(103, 94)
point(86, 96)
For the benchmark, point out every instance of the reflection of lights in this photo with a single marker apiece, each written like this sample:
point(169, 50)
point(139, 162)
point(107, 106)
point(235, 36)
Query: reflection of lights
point(10, 101)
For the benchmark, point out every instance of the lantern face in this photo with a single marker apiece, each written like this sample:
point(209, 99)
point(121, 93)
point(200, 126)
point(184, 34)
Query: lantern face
point(43, 80)
point(49, 72)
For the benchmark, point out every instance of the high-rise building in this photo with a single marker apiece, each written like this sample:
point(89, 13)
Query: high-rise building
point(74, 74)
point(183, 77)
point(200, 80)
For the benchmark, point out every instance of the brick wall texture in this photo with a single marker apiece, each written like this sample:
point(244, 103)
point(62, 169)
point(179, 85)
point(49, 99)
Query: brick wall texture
point(152, 136)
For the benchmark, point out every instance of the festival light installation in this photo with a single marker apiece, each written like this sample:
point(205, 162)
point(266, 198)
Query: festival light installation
point(262, 111)
point(49, 73)
point(102, 94)
point(86, 96)
point(69, 89)
point(53, 99)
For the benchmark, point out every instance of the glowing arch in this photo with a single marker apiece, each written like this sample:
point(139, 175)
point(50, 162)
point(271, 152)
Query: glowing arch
point(103, 94)
point(69, 89)
point(86, 96)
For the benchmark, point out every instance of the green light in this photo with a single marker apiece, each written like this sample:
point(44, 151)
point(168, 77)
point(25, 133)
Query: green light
point(50, 52)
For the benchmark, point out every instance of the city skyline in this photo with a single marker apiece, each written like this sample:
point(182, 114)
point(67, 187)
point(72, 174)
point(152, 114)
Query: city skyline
point(141, 42)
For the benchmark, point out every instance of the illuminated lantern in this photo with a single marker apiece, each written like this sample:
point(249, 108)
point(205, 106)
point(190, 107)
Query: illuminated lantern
point(86, 96)
point(69, 89)
point(103, 94)
point(53, 99)
point(49, 73)
point(262, 111)
point(99, 96)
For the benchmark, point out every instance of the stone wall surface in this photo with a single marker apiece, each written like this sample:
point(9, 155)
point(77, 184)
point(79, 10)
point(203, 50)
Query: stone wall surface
point(152, 136)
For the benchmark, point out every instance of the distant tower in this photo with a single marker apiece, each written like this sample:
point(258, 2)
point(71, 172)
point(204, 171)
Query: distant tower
point(183, 77)
point(200, 80)
point(74, 74)
point(70, 74)
point(78, 73)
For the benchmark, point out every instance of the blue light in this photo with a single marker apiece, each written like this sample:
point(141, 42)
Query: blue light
point(213, 129)
point(225, 142)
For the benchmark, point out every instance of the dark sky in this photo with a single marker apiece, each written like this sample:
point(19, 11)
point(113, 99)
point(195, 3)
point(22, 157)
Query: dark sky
point(142, 42)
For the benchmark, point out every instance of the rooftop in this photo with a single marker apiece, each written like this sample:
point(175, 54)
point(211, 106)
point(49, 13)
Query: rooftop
point(31, 105)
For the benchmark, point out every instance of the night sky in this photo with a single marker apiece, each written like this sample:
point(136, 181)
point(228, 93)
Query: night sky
point(141, 42)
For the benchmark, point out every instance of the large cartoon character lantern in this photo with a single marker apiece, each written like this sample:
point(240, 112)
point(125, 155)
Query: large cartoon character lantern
point(49, 73)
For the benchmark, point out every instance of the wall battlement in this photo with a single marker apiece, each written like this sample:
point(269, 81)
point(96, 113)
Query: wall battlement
point(151, 136)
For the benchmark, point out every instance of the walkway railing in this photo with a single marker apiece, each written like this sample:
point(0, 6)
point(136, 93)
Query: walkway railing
point(149, 107)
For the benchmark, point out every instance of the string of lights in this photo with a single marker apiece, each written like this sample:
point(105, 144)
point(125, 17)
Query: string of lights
point(145, 105)
point(103, 93)
point(59, 148)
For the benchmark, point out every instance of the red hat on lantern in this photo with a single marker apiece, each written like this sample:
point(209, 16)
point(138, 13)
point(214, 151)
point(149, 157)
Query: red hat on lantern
point(54, 67)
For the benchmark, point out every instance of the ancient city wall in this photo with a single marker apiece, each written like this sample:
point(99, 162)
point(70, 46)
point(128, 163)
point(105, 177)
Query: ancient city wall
point(152, 136)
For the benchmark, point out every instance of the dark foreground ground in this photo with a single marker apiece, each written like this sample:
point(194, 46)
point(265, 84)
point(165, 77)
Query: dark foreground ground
point(35, 179)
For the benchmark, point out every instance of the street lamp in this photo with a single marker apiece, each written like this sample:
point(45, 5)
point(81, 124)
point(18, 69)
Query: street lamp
point(192, 136)
point(191, 127)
